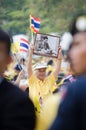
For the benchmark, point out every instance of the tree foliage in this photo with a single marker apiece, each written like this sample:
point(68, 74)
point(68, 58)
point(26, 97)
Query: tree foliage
point(55, 14)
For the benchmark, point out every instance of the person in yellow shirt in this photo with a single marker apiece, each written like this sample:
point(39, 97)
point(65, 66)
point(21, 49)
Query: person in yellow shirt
point(40, 85)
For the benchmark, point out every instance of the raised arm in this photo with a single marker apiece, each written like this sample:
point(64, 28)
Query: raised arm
point(58, 63)
point(20, 76)
point(30, 61)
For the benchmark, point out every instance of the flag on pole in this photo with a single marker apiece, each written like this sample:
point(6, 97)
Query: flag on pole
point(34, 24)
point(24, 45)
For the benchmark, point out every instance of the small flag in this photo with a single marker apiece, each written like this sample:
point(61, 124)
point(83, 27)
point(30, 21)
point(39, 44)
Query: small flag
point(70, 78)
point(24, 45)
point(34, 24)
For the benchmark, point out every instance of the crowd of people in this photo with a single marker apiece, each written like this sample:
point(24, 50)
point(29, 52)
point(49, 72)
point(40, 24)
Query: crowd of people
point(44, 96)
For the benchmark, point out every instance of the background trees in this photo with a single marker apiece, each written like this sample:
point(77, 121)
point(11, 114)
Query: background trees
point(55, 14)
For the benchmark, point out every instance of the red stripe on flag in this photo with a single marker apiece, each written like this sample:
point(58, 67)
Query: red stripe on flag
point(36, 30)
point(37, 19)
point(23, 50)
point(25, 40)
point(33, 28)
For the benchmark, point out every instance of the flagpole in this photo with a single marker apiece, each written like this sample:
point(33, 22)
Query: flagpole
point(31, 32)
point(32, 40)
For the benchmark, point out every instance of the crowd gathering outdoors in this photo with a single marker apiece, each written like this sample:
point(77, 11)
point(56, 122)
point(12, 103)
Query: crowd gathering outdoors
point(44, 96)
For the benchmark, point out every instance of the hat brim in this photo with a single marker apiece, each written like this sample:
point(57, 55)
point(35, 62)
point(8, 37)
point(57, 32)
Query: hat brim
point(40, 67)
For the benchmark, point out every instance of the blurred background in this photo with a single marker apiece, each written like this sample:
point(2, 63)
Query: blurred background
point(55, 15)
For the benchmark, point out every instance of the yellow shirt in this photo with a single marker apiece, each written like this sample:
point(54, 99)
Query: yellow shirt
point(48, 112)
point(57, 85)
point(38, 90)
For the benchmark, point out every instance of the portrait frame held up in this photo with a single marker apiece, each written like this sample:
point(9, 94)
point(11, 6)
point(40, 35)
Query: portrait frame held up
point(46, 45)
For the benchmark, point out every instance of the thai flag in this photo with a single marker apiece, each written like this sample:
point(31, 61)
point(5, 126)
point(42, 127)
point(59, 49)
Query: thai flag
point(24, 45)
point(34, 24)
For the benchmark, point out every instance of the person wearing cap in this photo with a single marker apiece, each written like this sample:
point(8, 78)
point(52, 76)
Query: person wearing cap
point(72, 110)
point(40, 85)
point(46, 44)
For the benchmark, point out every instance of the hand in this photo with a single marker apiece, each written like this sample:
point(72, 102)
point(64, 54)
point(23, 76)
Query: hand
point(31, 48)
point(21, 74)
point(59, 53)
point(58, 64)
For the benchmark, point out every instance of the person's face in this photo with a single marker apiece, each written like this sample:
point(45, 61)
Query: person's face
point(4, 57)
point(77, 54)
point(40, 73)
point(45, 40)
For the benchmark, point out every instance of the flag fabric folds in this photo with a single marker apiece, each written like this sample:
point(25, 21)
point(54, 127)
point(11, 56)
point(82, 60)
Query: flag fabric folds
point(24, 45)
point(34, 24)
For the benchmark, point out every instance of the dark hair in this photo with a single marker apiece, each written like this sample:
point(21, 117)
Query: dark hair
point(45, 37)
point(18, 67)
point(73, 29)
point(22, 60)
point(50, 62)
point(5, 38)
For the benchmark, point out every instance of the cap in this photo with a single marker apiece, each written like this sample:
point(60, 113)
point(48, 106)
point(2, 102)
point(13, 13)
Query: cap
point(78, 24)
point(40, 66)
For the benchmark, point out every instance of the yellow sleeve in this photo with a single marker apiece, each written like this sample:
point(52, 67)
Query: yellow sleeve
point(52, 78)
point(57, 85)
point(31, 80)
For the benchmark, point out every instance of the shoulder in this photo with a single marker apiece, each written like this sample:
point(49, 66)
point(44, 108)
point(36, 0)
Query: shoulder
point(79, 84)
point(77, 90)
point(12, 91)
point(15, 97)
point(51, 76)
point(32, 77)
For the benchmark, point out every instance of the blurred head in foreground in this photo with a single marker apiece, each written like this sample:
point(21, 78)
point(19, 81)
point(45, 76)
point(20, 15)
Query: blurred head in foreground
point(5, 56)
point(77, 51)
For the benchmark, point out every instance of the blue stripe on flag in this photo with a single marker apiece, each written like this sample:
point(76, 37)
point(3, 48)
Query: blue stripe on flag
point(37, 25)
point(24, 45)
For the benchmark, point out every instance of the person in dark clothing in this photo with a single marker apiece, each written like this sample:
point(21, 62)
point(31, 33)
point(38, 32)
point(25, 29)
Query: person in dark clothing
point(16, 109)
point(72, 110)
